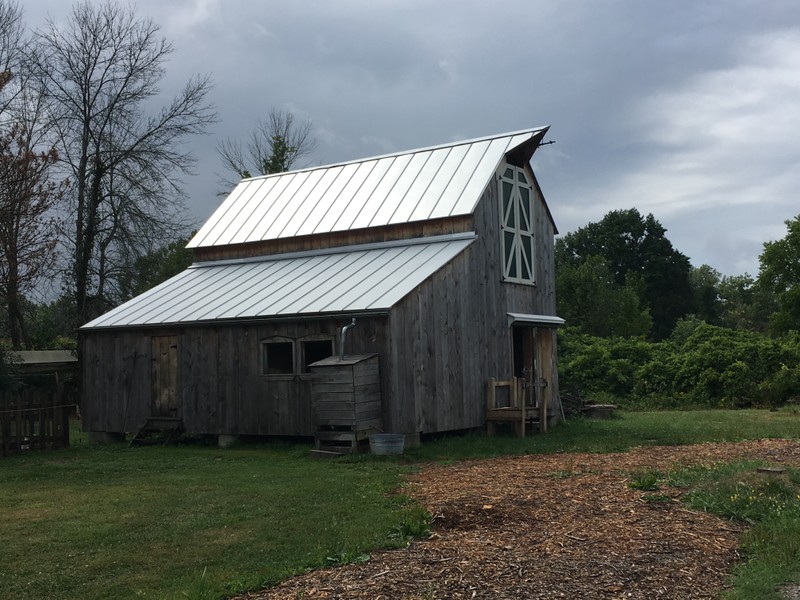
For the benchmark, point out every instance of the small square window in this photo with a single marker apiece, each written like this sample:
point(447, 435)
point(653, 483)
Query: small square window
point(278, 358)
point(314, 350)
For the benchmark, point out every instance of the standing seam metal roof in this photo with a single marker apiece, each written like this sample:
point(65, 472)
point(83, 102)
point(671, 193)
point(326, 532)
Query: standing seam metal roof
point(418, 185)
point(365, 278)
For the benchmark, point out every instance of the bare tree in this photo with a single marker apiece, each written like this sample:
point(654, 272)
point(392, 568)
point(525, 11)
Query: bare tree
point(274, 146)
point(99, 71)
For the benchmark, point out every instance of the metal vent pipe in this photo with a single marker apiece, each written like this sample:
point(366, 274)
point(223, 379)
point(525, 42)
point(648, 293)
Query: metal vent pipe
point(344, 336)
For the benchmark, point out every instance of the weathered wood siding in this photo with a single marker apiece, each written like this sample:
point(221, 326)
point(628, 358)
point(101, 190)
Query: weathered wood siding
point(347, 394)
point(451, 335)
point(221, 389)
point(388, 233)
point(116, 386)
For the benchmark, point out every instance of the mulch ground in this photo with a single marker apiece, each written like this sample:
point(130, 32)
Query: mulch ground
point(552, 526)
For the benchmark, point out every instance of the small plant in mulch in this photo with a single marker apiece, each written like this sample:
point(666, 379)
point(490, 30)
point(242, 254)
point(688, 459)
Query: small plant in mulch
point(656, 498)
point(414, 525)
point(344, 557)
point(646, 481)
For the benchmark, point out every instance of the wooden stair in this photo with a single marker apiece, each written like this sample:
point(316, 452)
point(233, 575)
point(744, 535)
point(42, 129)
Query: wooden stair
point(157, 431)
point(340, 440)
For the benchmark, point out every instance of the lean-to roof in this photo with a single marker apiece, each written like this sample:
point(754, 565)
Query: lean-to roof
point(355, 279)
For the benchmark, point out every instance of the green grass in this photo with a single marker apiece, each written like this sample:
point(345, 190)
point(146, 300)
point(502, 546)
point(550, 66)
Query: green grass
point(625, 431)
point(770, 504)
point(199, 522)
point(149, 522)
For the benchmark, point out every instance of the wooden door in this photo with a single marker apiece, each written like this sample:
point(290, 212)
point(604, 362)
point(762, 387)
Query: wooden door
point(525, 366)
point(164, 376)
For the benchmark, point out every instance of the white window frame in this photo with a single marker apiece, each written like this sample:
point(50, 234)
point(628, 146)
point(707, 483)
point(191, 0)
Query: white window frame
point(521, 255)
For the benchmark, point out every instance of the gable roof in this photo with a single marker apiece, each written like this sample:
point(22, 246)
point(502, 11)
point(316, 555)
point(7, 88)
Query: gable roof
point(355, 279)
point(417, 185)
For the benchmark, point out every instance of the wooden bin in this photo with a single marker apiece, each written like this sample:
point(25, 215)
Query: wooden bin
point(346, 401)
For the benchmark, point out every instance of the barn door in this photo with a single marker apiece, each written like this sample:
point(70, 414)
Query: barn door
point(164, 376)
point(525, 364)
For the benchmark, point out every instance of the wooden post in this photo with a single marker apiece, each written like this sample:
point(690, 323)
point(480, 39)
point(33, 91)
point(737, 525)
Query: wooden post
point(490, 404)
point(543, 410)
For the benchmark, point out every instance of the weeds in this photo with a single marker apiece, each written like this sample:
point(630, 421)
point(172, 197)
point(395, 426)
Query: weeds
point(646, 481)
point(656, 498)
point(200, 589)
point(769, 503)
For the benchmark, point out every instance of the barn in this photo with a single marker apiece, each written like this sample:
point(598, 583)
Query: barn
point(441, 257)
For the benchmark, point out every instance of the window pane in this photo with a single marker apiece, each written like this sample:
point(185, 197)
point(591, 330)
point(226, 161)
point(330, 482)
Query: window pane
point(510, 254)
point(525, 209)
point(521, 177)
point(315, 350)
point(526, 263)
point(508, 208)
point(509, 172)
point(278, 358)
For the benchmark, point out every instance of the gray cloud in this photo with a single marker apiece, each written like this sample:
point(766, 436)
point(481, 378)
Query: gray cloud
point(684, 109)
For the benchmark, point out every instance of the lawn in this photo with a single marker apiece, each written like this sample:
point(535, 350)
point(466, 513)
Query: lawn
point(196, 521)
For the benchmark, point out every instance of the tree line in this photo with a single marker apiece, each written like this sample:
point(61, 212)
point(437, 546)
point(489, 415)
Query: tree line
point(647, 329)
point(91, 160)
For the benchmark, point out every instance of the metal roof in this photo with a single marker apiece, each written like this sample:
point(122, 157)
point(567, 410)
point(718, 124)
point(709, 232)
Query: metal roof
point(418, 185)
point(364, 278)
point(43, 357)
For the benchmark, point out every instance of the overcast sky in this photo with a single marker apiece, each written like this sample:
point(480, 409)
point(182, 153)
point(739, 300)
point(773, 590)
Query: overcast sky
point(686, 109)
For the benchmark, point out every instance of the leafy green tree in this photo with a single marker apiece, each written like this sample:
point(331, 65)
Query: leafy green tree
point(745, 305)
point(588, 297)
point(638, 254)
point(779, 274)
point(705, 287)
point(51, 325)
point(156, 267)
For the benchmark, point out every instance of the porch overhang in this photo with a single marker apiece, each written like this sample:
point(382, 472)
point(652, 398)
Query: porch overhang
point(550, 321)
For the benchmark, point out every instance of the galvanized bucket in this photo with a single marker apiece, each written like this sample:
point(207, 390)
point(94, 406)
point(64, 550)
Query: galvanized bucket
point(387, 443)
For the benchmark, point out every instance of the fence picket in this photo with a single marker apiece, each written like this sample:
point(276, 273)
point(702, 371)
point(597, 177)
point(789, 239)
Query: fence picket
point(33, 418)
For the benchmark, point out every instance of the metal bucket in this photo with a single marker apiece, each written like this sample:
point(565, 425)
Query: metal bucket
point(387, 443)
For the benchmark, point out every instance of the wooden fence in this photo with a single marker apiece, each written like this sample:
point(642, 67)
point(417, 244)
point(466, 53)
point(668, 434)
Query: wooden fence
point(33, 418)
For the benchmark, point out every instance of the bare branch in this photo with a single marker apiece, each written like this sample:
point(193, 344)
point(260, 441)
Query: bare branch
point(99, 71)
point(275, 145)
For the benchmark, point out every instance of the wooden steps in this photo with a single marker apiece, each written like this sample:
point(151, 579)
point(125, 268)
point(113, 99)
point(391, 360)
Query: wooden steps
point(157, 431)
point(341, 440)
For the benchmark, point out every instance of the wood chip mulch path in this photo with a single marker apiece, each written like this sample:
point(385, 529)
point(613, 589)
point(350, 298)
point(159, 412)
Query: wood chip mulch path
point(552, 526)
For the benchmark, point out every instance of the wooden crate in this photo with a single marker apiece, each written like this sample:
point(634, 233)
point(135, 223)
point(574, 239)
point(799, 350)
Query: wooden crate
point(346, 401)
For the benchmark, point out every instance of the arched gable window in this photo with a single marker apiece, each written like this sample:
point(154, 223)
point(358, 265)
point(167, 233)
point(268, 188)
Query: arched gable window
point(516, 224)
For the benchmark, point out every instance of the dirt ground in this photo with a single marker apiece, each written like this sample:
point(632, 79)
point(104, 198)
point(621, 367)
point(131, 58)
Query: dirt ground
point(554, 526)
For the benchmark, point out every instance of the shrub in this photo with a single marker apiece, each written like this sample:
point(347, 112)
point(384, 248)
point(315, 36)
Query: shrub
point(701, 365)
